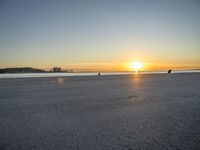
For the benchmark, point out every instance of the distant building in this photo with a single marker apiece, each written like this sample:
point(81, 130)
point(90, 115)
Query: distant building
point(57, 69)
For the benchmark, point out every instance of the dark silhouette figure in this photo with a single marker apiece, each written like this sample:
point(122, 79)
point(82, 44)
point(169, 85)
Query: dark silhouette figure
point(169, 71)
point(99, 74)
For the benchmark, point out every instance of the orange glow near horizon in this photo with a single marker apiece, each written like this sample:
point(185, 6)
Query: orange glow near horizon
point(136, 65)
point(110, 66)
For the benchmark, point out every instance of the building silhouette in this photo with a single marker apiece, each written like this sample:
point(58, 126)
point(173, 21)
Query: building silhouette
point(57, 69)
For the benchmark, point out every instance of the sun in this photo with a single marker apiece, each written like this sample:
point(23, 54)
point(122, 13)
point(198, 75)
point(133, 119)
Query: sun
point(136, 65)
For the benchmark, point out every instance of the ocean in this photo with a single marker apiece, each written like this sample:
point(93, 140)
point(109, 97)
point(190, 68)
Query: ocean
point(33, 75)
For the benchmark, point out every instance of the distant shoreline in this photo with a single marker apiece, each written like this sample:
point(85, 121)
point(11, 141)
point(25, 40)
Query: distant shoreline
point(22, 70)
point(30, 70)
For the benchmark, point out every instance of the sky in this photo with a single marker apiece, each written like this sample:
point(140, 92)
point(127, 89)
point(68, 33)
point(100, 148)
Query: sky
point(100, 34)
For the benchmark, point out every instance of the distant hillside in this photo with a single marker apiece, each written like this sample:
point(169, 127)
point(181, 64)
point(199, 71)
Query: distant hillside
point(21, 70)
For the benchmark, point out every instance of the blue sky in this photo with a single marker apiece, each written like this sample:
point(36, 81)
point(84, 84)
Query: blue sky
point(43, 33)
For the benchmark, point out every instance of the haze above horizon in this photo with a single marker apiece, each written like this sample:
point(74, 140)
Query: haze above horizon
point(99, 35)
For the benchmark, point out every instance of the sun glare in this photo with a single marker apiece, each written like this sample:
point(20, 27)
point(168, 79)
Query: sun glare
point(136, 65)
